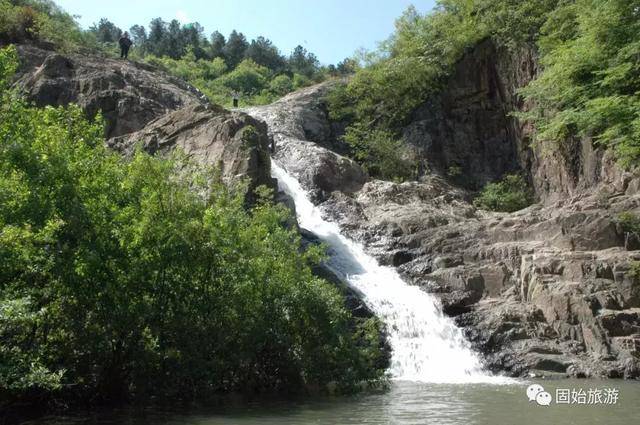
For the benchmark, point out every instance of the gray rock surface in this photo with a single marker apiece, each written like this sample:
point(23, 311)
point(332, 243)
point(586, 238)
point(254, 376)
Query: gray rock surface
point(232, 141)
point(469, 131)
point(128, 94)
point(142, 105)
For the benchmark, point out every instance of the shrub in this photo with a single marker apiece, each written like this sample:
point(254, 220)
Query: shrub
point(39, 20)
point(381, 154)
point(248, 78)
point(629, 222)
point(281, 85)
point(634, 271)
point(510, 194)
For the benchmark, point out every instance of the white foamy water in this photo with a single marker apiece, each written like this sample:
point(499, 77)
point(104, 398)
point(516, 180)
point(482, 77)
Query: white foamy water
point(427, 346)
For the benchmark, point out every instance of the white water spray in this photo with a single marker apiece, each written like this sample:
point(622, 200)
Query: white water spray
point(427, 346)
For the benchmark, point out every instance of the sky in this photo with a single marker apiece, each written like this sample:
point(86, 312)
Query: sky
point(332, 29)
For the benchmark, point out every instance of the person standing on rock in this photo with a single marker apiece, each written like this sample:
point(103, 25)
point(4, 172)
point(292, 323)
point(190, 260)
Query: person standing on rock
point(236, 96)
point(125, 43)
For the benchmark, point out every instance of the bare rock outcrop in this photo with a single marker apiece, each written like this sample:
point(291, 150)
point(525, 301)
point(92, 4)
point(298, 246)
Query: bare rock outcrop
point(128, 94)
point(306, 144)
point(234, 142)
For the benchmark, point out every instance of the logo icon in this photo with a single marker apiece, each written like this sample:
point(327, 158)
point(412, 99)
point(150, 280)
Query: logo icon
point(536, 392)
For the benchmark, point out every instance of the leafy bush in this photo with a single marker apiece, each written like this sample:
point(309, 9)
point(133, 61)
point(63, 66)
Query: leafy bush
point(629, 222)
point(125, 278)
point(380, 153)
point(510, 194)
point(189, 68)
point(248, 78)
point(281, 85)
point(634, 271)
point(24, 20)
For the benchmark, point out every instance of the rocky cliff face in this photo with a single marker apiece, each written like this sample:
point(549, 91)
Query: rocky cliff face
point(547, 290)
point(232, 141)
point(142, 105)
point(469, 132)
point(466, 132)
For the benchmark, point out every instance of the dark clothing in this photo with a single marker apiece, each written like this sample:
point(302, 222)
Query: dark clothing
point(125, 43)
point(235, 103)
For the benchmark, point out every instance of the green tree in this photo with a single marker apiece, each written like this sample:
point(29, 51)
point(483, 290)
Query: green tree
point(175, 41)
point(303, 62)
point(263, 52)
point(139, 37)
point(157, 37)
point(193, 36)
point(235, 48)
point(347, 66)
point(106, 31)
point(217, 45)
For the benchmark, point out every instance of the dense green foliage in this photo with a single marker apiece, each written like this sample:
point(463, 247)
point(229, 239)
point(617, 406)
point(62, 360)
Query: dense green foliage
point(510, 194)
point(255, 83)
point(629, 222)
point(148, 277)
point(381, 154)
point(589, 52)
point(590, 86)
point(40, 20)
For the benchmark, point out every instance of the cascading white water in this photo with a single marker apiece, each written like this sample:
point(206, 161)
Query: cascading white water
point(427, 346)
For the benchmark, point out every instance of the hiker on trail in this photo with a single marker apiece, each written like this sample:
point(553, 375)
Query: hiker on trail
point(236, 97)
point(125, 43)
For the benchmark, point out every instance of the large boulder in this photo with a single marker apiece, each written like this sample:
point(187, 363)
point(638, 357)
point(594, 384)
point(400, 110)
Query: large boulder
point(143, 106)
point(128, 94)
point(232, 141)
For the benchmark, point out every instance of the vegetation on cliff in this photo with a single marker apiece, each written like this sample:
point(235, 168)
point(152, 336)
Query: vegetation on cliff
point(136, 278)
point(588, 86)
point(508, 195)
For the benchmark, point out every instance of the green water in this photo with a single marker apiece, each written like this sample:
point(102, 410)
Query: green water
point(403, 403)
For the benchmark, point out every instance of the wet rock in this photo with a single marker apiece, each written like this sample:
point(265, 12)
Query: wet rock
point(303, 134)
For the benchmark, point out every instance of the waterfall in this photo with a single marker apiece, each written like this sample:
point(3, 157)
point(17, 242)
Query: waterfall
point(427, 346)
